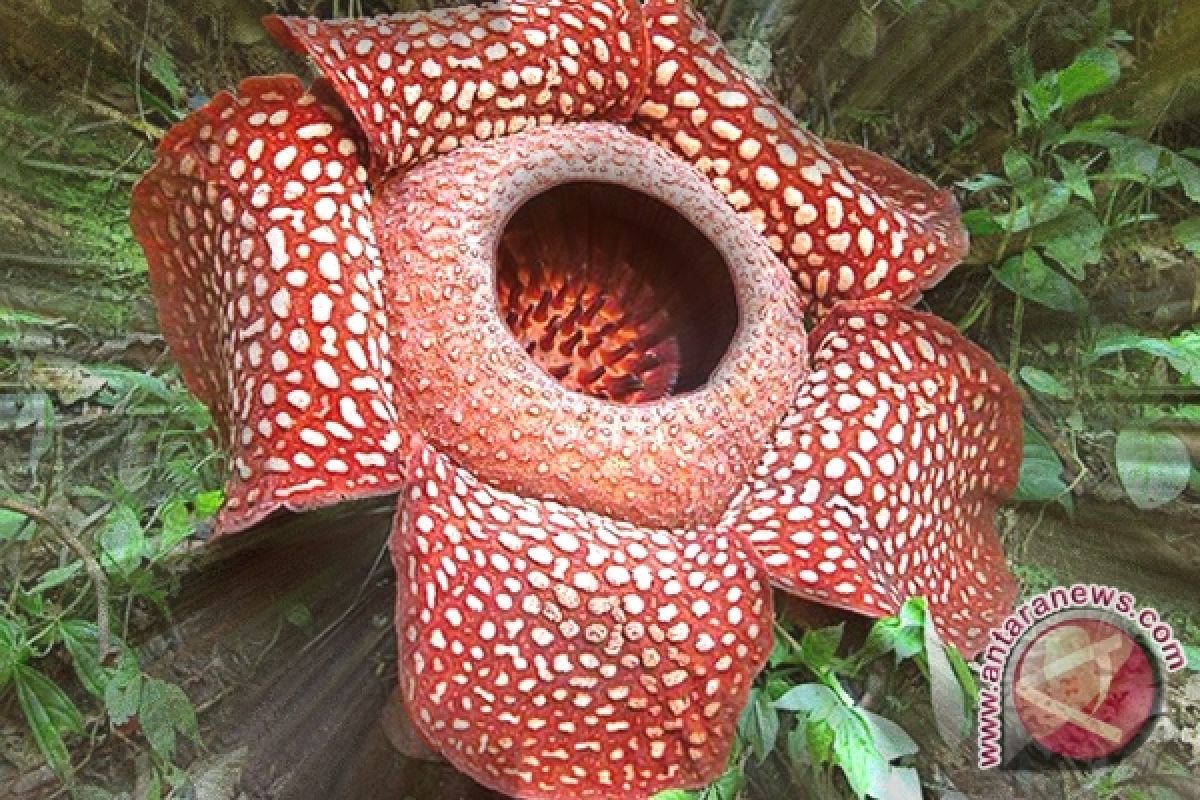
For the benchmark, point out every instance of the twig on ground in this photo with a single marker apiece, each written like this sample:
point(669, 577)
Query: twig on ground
point(90, 565)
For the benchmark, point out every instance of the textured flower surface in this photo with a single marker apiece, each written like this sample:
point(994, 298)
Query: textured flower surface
point(544, 269)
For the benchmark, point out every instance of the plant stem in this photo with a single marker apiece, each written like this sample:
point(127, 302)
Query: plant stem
point(90, 565)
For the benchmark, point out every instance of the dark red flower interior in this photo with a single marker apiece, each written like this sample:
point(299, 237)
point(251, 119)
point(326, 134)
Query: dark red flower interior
point(615, 294)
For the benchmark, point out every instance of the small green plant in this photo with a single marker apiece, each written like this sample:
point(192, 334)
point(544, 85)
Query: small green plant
point(74, 590)
point(1074, 194)
point(805, 703)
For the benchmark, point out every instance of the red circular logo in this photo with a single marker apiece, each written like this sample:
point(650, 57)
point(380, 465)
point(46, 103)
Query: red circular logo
point(1084, 688)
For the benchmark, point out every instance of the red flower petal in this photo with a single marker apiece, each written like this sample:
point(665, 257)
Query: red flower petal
point(256, 225)
point(424, 83)
point(548, 651)
point(883, 480)
point(848, 223)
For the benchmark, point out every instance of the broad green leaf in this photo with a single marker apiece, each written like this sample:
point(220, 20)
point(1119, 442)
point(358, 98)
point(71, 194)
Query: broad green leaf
point(1186, 359)
point(981, 222)
point(818, 647)
point(818, 736)
point(1041, 472)
point(1074, 177)
point(1041, 203)
point(164, 710)
point(890, 739)
point(49, 713)
point(758, 724)
point(1154, 466)
point(815, 700)
point(677, 794)
point(1018, 167)
point(949, 704)
point(854, 751)
point(208, 503)
point(1117, 338)
point(11, 523)
point(124, 690)
point(1078, 248)
point(1093, 71)
point(912, 612)
point(1044, 383)
point(1028, 275)
point(897, 783)
point(1188, 175)
point(122, 541)
point(1187, 233)
point(53, 578)
point(79, 637)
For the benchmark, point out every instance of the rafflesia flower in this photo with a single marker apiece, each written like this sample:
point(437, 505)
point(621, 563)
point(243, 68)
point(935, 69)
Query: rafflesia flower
point(544, 270)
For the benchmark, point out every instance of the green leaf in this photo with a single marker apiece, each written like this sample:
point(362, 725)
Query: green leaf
point(79, 637)
point(819, 736)
point(1117, 338)
point(1188, 175)
point(1042, 203)
point(53, 578)
point(1041, 471)
point(122, 541)
point(1074, 177)
point(677, 794)
point(49, 713)
point(1028, 275)
point(13, 649)
point(176, 526)
point(815, 700)
point(901, 634)
point(1080, 247)
point(11, 523)
point(949, 703)
point(1187, 233)
point(162, 67)
point(983, 182)
point(890, 739)
point(981, 222)
point(897, 783)
point(758, 724)
point(208, 504)
point(1154, 466)
point(1018, 167)
point(854, 751)
point(124, 690)
point(1044, 383)
point(818, 647)
point(164, 710)
point(1192, 653)
point(1093, 71)
point(727, 786)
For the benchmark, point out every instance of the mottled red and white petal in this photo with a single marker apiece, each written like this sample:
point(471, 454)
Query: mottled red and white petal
point(848, 223)
point(256, 224)
point(424, 83)
point(550, 652)
point(882, 481)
